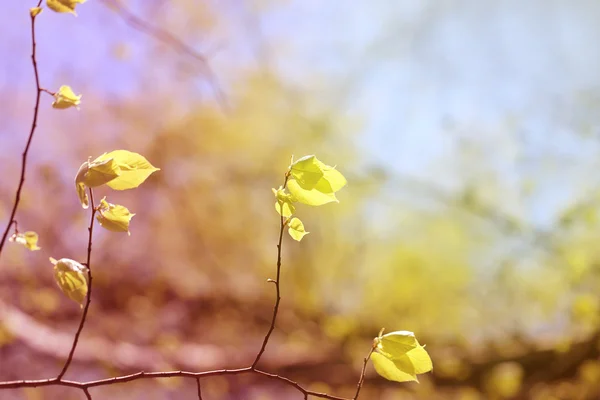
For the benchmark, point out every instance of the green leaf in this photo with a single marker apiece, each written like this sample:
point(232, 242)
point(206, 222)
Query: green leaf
point(115, 218)
point(335, 178)
point(397, 343)
point(390, 371)
point(284, 204)
point(313, 197)
point(314, 183)
point(70, 277)
point(398, 356)
point(92, 174)
point(296, 229)
point(307, 171)
point(134, 169)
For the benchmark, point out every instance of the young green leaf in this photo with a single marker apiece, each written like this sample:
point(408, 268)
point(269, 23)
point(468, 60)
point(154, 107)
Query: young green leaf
point(134, 169)
point(64, 6)
point(398, 356)
point(27, 239)
point(311, 197)
point(92, 174)
point(113, 217)
point(296, 229)
point(71, 279)
point(307, 171)
point(284, 205)
point(313, 182)
point(65, 98)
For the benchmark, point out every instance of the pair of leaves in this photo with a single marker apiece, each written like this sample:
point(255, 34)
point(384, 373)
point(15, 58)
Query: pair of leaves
point(120, 170)
point(71, 278)
point(310, 182)
point(399, 357)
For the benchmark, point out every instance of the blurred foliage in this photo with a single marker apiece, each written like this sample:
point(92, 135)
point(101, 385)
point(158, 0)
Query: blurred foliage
point(507, 306)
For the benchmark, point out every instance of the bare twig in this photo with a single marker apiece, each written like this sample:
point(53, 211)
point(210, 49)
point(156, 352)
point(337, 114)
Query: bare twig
point(362, 373)
point(199, 388)
point(89, 293)
point(87, 393)
point(36, 109)
point(277, 286)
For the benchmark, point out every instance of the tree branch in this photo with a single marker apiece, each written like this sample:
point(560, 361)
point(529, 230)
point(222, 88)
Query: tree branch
point(199, 388)
point(89, 293)
point(36, 109)
point(276, 282)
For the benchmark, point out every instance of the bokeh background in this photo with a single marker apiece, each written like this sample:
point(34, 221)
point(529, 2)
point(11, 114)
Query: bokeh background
point(469, 132)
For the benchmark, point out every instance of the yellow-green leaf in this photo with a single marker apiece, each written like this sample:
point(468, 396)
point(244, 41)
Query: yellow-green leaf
point(296, 229)
point(390, 371)
point(28, 239)
point(92, 174)
point(71, 278)
point(65, 98)
point(284, 205)
point(64, 6)
point(334, 178)
point(398, 356)
point(396, 343)
point(134, 169)
point(307, 171)
point(115, 218)
point(405, 367)
point(314, 196)
point(313, 182)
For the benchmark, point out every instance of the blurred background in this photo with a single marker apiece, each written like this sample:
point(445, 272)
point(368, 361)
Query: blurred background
point(469, 132)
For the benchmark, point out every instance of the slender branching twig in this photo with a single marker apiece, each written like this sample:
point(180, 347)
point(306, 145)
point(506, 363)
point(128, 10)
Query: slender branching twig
point(362, 373)
point(277, 286)
point(89, 292)
point(199, 388)
point(36, 109)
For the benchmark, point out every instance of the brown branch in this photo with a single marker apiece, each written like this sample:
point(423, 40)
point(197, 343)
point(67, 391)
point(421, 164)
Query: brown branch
point(362, 373)
point(276, 282)
point(89, 293)
point(36, 109)
point(164, 374)
point(199, 388)
point(166, 37)
point(87, 393)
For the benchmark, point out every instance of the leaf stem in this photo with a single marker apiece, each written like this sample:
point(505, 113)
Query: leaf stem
point(277, 286)
point(362, 373)
point(89, 293)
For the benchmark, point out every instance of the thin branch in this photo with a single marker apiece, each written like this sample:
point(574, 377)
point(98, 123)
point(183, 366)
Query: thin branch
point(36, 109)
point(87, 393)
point(166, 37)
point(276, 282)
point(89, 293)
point(199, 388)
point(362, 373)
